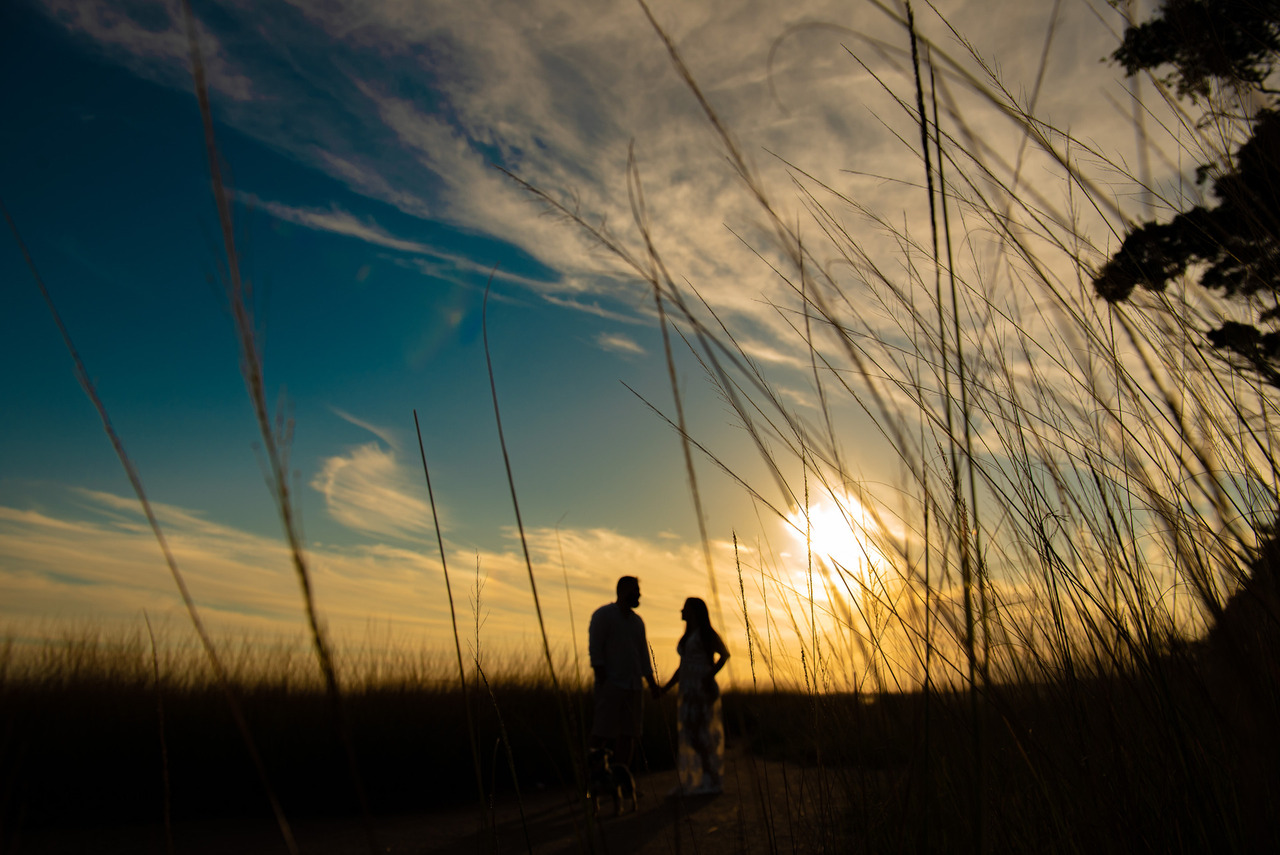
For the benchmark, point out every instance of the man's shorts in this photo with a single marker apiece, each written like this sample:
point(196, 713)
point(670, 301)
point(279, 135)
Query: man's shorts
point(619, 712)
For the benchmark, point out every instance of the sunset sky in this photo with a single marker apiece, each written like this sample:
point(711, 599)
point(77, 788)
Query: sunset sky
point(361, 140)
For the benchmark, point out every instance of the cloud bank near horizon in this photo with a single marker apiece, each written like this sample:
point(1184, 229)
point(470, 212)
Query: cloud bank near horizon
point(98, 565)
point(95, 566)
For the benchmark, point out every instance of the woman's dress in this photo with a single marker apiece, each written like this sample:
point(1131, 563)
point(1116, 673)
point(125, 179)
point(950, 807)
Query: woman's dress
point(701, 731)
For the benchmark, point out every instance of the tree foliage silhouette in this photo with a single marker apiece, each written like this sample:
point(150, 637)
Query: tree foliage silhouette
point(1205, 40)
point(1235, 242)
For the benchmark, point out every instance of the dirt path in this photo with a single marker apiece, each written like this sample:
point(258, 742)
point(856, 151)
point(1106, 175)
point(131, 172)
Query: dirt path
point(766, 807)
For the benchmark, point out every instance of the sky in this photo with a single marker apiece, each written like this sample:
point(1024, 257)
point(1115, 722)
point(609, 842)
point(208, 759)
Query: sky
point(369, 147)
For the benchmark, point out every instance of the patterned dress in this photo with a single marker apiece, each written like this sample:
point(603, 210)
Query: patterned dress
point(701, 731)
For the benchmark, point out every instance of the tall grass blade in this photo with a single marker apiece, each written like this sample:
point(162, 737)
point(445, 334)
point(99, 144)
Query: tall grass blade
point(640, 216)
point(164, 742)
point(273, 439)
point(515, 502)
point(961, 519)
point(135, 481)
point(566, 712)
point(453, 618)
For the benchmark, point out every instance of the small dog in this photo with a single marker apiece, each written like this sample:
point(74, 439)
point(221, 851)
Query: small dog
point(607, 776)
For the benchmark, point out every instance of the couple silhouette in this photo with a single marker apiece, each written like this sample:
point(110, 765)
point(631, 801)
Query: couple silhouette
point(620, 660)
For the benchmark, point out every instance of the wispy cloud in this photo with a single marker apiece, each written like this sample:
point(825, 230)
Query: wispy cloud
point(151, 39)
point(415, 105)
point(381, 433)
point(429, 259)
point(368, 491)
point(592, 308)
point(619, 343)
point(337, 221)
point(448, 266)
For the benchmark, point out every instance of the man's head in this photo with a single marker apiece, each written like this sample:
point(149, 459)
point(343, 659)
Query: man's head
point(629, 592)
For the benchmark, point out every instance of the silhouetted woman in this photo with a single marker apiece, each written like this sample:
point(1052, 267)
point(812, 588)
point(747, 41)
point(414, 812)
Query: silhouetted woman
point(700, 759)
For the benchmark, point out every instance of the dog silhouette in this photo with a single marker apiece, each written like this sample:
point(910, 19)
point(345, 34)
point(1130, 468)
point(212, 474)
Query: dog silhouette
point(609, 778)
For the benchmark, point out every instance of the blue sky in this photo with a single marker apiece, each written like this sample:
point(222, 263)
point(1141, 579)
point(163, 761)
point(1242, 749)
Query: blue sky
point(361, 141)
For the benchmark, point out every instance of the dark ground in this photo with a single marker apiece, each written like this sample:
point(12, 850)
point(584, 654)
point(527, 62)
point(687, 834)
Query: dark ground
point(766, 807)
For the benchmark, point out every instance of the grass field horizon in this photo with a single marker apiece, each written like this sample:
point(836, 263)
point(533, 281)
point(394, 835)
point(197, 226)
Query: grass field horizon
point(145, 734)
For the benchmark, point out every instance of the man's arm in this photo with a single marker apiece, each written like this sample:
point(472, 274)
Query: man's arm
point(675, 678)
point(596, 640)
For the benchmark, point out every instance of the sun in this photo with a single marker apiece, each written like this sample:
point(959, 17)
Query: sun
point(841, 532)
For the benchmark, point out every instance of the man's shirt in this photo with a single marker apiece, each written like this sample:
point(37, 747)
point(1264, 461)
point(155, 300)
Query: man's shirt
point(617, 645)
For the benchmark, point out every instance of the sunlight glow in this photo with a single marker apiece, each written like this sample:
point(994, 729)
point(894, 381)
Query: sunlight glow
point(840, 532)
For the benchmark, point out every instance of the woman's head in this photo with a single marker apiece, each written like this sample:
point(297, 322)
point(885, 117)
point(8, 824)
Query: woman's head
point(695, 613)
point(697, 621)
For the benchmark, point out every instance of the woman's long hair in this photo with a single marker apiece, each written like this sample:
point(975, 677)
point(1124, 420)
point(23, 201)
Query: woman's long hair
point(698, 619)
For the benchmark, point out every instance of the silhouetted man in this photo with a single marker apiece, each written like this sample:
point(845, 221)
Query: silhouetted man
point(620, 660)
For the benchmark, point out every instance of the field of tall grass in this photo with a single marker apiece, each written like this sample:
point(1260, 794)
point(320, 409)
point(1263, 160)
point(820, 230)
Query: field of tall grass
point(112, 730)
point(1065, 642)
